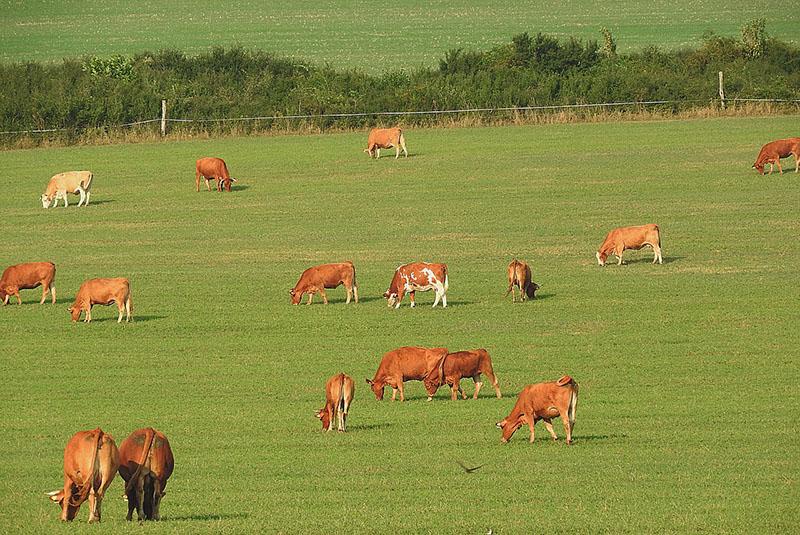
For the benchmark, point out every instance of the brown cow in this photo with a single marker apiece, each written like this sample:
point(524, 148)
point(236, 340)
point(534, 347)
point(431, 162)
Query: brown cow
point(26, 277)
point(102, 292)
point(405, 364)
point(386, 138)
point(418, 276)
point(772, 152)
point(325, 276)
point(338, 396)
point(519, 275)
point(145, 463)
point(463, 364)
point(91, 460)
point(213, 169)
point(543, 401)
point(620, 239)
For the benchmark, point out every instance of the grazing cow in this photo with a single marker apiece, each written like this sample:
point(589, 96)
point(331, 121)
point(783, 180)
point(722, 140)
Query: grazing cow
point(322, 277)
point(620, 239)
point(338, 396)
point(463, 364)
point(418, 276)
point(27, 277)
point(386, 138)
point(405, 364)
point(91, 460)
point(519, 275)
point(145, 463)
point(543, 401)
point(79, 182)
point(102, 292)
point(213, 169)
point(772, 152)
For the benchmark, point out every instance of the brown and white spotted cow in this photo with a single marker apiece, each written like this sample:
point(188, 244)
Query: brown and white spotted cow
point(418, 276)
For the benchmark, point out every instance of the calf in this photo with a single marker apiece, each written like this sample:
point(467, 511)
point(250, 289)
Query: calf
point(418, 276)
point(145, 463)
point(26, 277)
point(102, 292)
point(213, 169)
point(338, 396)
point(772, 152)
point(620, 239)
point(385, 138)
point(460, 364)
point(91, 460)
point(79, 182)
point(405, 364)
point(325, 276)
point(519, 275)
point(543, 401)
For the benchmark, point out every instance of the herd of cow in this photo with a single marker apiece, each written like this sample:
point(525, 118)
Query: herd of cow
point(144, 459)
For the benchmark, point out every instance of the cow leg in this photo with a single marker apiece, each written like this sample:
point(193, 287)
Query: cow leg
point(444, 299)
point(88, 314)
point(66, 202)
point(377, 153)
point(779, 165)
point(510, 291)
point(88, 194)
point(128, 309)
point(656, 254)
point(455, 389)
point(478, 385)
point(394, 393)
point(121, 309)
point(437, 298)
point(45, 289)
point(19, 299)
point(396, 151)
point(771, 167)
point(619, 256)
point(564, 412)
point(140, 497)
point(413, 297)
point(549, 425)
point(157, 495)
point(208, 184)
point(66, 501)
point(531, 423)
point(52, 293)
point(355, 292)
point(5, 299)
point(94, 506)
point(82, 193)
point(402, 393)
point(349, 291)
point(797, 162)
point(310, 297)
point(324, 296)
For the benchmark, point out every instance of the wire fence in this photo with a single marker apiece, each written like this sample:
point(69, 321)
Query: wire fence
point(311, 116)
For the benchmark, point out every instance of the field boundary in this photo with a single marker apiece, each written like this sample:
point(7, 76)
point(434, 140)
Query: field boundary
point(487, 110)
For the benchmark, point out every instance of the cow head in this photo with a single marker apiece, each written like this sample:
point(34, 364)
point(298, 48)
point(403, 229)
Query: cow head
point(47, 200)
point(57, 496)
point(225, 183)
point(391, 297)
point(323, 415)
point(432, 383)
point(759, 167)
point(296, 296)
point(368, 152)
point(510, 425)
point(377, 388)
point(75, 312)
point(532, 289)
point(601, 258)
point(3, 295)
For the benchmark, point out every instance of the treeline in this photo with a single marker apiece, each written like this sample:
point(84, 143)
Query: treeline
point(93, 93)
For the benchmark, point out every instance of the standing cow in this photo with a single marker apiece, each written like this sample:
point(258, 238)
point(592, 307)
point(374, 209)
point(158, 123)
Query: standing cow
point(78, 182)
point(405, 364)
point(325, 276)
point(102, 292)
point(623, 238)
point(543, 401)
point(27, 277)
point(519, 275)
point(418, 276)
point(339, 391)
point(458, 365)
point(772, 152)
point(91, 460)
point(386, 138)
point(213, 169)
point(145, 463)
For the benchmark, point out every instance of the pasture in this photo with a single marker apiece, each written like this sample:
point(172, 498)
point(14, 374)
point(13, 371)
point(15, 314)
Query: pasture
point(354, 33)
point(688, 371)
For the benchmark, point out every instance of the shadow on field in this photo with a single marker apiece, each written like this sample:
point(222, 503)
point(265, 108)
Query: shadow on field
point(591, 438)
point(239, 187)
point(101, 201)
point(542, 296)
point(370, 298)
point(368, 427)
point(134, 319)
point(649, 260)
point(207, 516)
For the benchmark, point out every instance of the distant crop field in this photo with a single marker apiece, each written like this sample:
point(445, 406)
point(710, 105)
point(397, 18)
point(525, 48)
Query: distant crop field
point(365, 35)
point(688, 411)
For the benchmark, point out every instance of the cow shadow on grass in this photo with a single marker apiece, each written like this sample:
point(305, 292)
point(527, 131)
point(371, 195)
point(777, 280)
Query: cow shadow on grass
point(134, 319)
point(368, 427)
point(206, 516)
point(100, 201)
point(602, 438)
point(649, 260)
point(239, 187)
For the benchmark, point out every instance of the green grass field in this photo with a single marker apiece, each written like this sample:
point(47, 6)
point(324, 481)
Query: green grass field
point(688, 371)
point(355, 33)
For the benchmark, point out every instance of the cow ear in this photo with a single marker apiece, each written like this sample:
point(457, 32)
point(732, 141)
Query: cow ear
point(370, 383)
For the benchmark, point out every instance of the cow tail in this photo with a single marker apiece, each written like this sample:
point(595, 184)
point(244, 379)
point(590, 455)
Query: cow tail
point(88, 184)
point(573, 403)
point(83, 493)
point(149, 439)
point(658, 231)
point(341, 393)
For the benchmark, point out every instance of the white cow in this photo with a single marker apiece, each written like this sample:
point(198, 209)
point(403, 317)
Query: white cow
point(78, 182)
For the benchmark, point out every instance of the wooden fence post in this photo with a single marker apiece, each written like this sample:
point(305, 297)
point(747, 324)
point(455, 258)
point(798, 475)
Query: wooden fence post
point(164, 116)
point(721, 91)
